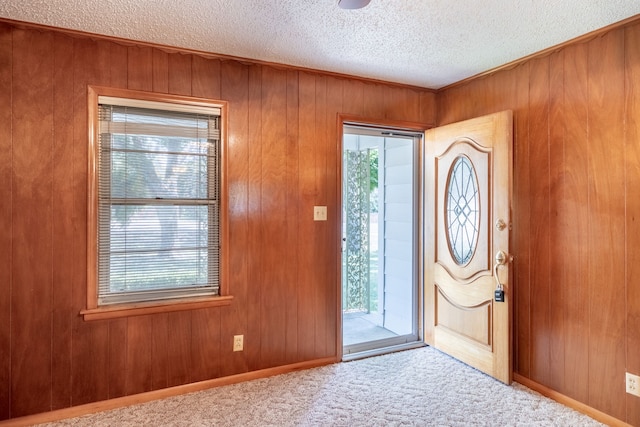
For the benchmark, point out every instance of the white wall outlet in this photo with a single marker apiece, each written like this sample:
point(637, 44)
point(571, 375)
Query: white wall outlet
point(633, 384)
point(319, 213)
point(238, 342)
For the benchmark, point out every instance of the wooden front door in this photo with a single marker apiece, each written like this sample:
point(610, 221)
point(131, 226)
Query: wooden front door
point(467, 225)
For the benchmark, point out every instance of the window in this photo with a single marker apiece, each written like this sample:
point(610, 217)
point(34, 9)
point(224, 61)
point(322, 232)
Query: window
point(155, 200)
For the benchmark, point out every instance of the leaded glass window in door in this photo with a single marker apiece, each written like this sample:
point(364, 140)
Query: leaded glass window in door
point(462, 208)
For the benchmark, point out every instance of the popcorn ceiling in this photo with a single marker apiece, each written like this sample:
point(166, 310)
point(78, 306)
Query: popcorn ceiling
point(427, 43)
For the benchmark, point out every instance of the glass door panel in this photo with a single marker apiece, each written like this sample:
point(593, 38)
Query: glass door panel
point(380, 238)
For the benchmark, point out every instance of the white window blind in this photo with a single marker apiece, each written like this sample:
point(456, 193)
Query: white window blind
point(158, 207)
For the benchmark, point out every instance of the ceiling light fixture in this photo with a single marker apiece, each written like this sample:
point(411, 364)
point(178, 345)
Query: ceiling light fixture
point(352, 4)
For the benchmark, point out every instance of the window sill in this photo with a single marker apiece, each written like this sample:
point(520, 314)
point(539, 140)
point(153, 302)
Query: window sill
point(138, 309)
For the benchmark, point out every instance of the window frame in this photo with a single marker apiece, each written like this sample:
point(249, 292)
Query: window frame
point(93, 311)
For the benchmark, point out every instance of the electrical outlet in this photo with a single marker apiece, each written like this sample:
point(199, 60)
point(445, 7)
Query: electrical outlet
point(633, 384)
point(238, 342)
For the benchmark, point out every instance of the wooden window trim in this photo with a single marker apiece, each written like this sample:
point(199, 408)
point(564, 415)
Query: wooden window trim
point(92, 310)
point(137, 309)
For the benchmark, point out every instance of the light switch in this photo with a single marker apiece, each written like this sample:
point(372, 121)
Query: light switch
point(319, 213)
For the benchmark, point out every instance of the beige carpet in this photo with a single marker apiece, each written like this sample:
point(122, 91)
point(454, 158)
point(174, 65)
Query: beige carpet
point(420, 387)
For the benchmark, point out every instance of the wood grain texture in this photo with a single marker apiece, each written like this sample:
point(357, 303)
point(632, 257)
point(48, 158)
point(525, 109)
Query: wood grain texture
point(428, 108)
point(293, 207)
point(575, 227)
point(206, 77)
point(62, 214)
point(273, 216)
point(282, 160)
point(539, 226)
point(318, 267)
point(234, 321)
point(6, 241)
point(353, 103)
point(606, 224)
point(206, 345)
point(139, 350)
point(117, 357)
point(632, 167)
point(180, 346)
point(31, 187)
point(253, 338)
point(118, 65)
point(401, 104)
point(559, 222)
point(180, 74)
point(140, 68)
point(372, 95)
point(160, 343)
point(307, 178)
point(521, 221)
point(160, 70)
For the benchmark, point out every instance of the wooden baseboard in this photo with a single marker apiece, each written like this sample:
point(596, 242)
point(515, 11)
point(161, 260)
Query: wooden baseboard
point(104, 405)
point(567, 401)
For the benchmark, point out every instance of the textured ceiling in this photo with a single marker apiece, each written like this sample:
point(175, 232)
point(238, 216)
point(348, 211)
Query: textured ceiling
point(427, 43)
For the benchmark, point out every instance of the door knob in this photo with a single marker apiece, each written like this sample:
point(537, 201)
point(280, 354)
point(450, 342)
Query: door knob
point(502, 258)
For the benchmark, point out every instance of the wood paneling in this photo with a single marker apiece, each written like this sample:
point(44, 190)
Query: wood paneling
point(539, 226)
point(6, 172)
point(31, 186)
point(321, 244)
point(180, 74)
point(632, 167)
point(253, 337)
point(140, 69)
point(140, 355)
point(521, 219)
point(62, 214)
point(235, 321)
point(160, 70)
point(307, 190)
point(575, 227)
point(282, 160)
point(293, 207)
point(558, 222)
point(273, 216)
point(575, 211)
point(606, 234)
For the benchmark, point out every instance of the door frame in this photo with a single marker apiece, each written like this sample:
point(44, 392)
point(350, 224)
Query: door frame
point(400, 125)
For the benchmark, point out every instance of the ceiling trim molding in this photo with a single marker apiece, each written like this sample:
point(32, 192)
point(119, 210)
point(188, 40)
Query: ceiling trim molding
point(205, 54)
point(513, 64)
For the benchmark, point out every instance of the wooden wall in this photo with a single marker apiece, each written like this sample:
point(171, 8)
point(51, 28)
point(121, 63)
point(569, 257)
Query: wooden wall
point(283, 267)
point(576, 213)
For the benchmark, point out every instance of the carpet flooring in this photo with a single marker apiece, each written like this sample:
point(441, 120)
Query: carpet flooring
point(421, 387)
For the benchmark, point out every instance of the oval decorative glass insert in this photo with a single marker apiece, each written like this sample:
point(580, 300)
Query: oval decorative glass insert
point(462, 210)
